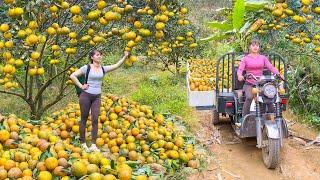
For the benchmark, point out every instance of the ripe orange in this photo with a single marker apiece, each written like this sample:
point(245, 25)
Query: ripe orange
point(27, 172)
point(141, 177)
point(4, 135)
point(9, 164)
point(40, 71)
point(135, 131)
point(179, 143)
point(124, 172)
point(109, 177)
point(99, 142)
point(131, 35)
point(160, 26)
point(44, 175)
point(79, 169)
point(4, 27)
point(14, 173)
point(59, 171)
point(62, 154)
point(94, 158)
point(101, 5)
point(9, 44)
point(32, 39)
point(51, 163)
point(133, 156)
point(183, 10)
point(114, 149)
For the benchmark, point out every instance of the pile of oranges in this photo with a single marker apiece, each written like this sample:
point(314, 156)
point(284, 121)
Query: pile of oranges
point(129, 133)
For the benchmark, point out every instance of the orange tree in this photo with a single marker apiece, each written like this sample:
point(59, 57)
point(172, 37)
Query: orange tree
point(41, 41)
point(292, 28)
point(174, 39)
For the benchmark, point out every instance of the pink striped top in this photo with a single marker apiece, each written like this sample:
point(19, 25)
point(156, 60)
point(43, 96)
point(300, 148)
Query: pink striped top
point(255, 65)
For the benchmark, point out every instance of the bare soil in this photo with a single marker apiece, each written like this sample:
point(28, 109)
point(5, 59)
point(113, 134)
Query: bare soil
point(240, 159)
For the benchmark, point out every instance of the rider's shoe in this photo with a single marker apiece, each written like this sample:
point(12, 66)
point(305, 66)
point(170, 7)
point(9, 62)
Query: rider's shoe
point(94, 148)
point(238, 124)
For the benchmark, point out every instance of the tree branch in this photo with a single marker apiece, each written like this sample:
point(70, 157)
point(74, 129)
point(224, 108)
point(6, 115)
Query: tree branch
point(26, 82)
point(13, 93)
point(46, 84)
point(42, 50)
point(30, 88)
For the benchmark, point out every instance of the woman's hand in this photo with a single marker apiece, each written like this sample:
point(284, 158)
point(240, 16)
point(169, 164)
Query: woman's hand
point(119, 63)
point(84, 86)
point(126, 54)
point(280, 76)
point(240, 78)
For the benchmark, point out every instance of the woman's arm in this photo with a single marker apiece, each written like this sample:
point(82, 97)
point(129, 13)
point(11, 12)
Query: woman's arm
point(271, 68)
point(118, 64)
point(76, 81)
point(241, 68)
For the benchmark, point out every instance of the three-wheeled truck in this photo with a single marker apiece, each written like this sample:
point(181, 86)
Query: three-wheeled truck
point(269, 128)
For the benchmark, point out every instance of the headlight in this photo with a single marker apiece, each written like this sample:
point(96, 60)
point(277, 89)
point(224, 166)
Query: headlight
point(269, 90)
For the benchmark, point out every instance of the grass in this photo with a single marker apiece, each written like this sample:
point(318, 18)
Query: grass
point(11, 104)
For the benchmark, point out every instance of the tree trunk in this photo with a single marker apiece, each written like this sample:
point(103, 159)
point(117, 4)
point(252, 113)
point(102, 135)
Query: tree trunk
point(176, 60)
point(33, 111)
point(36, 116)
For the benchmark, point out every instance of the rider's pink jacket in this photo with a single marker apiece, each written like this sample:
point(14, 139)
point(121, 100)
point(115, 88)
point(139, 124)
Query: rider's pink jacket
point(254, 65)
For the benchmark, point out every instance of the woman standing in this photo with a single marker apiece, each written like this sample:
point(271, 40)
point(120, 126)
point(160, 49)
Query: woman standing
point(90, 97)
point(253, 63)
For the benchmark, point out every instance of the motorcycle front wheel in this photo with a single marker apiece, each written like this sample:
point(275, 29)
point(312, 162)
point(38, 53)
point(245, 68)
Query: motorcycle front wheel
point(270, 150)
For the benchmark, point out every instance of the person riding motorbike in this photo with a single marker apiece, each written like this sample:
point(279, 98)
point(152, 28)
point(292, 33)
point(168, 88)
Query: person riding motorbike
point(253, 63)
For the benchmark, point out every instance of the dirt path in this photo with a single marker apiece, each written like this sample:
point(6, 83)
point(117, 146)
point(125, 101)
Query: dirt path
point(240, 159)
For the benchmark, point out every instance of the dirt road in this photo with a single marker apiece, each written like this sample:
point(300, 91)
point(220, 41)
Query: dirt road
point(240, 159)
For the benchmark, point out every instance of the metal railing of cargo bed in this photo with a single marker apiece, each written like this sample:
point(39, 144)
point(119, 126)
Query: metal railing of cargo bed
point(228, 61)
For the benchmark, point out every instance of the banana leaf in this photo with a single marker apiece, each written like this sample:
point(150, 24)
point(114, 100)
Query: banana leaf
point(222, 26)
point(219, 36)
point(253, 5)
point(238, 14)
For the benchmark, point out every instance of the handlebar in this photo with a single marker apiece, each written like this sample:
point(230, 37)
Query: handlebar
point(257, 78)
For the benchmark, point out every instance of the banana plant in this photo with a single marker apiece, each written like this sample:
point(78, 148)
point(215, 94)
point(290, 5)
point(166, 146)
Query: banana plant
point(237, 21)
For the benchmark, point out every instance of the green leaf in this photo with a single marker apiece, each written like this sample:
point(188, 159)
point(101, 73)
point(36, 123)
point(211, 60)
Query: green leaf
point(219, 10)
point(222, 26)
point(238, 14)
point(44, 156)
point(253, 5)
point(113, 165)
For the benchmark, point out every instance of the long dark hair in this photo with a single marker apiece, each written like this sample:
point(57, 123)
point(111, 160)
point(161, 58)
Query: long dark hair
point(92, 53)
